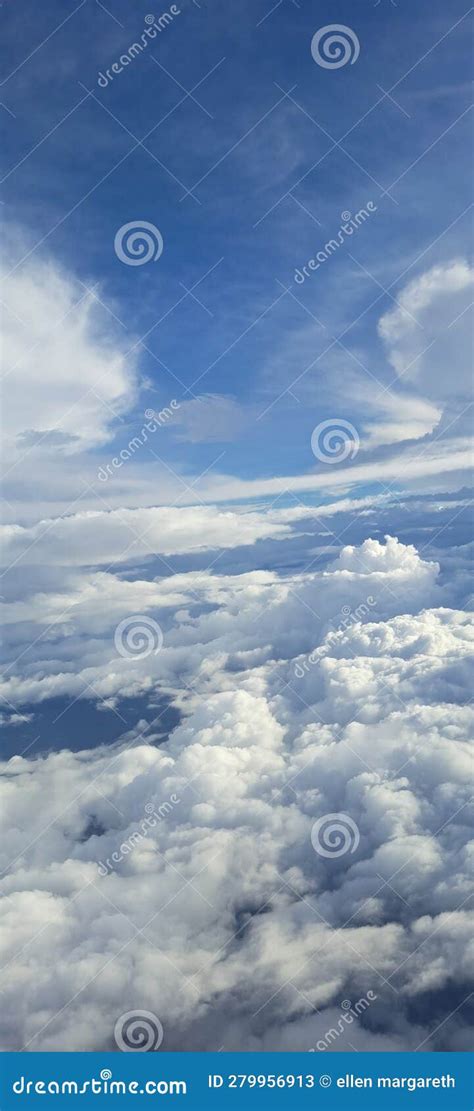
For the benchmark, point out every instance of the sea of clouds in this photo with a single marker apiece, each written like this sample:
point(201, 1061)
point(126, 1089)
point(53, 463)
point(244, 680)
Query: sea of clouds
point(223, 919)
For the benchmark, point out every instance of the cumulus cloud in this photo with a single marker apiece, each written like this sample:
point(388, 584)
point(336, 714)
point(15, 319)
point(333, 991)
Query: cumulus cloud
point(421, 293)
point(428, 334)
point(222, 917)
point(202, 616)
point(68, 376)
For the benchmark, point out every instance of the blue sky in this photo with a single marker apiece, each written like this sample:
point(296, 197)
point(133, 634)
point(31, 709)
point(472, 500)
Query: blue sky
point(74, 174)
point(237, 531)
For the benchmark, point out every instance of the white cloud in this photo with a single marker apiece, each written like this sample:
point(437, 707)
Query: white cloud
point(420, 294)
point(428, 336)
point(410, 465)
point(400, 417)
point(67, 374)
point(127, 534)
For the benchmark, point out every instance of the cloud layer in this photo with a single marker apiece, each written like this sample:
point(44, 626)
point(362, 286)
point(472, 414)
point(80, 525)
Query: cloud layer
point(340, 692)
